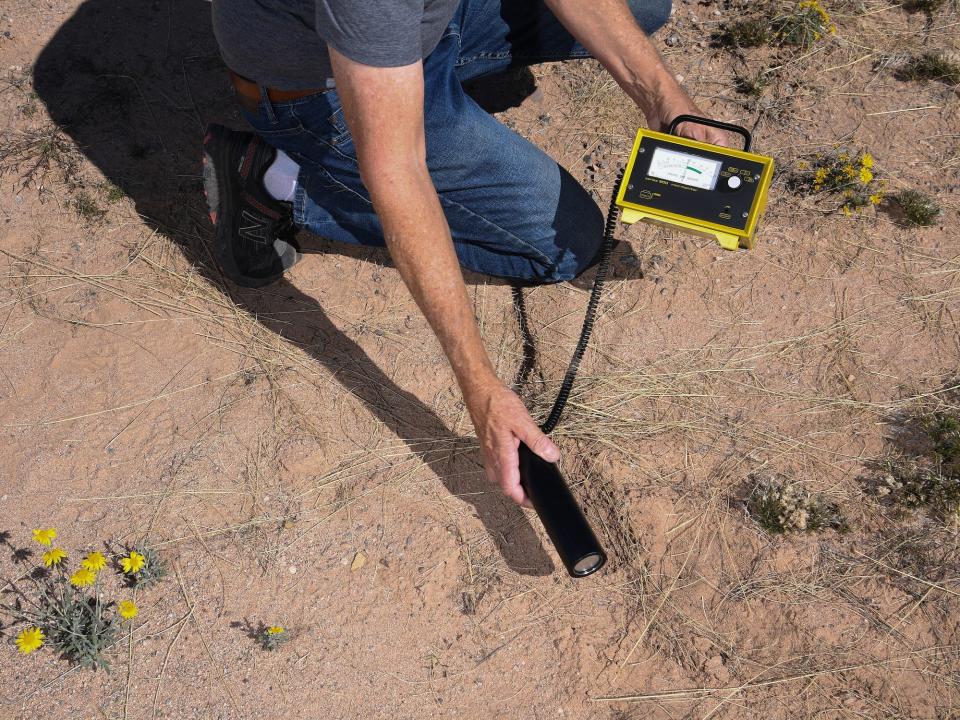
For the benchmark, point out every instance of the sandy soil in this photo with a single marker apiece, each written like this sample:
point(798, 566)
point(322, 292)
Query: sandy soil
point(260, 440)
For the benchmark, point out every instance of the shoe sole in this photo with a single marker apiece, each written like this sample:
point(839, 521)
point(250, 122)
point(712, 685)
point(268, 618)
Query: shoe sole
point(220, 188)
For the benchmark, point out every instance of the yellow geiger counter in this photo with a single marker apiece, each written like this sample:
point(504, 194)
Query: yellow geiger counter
point(695, 186)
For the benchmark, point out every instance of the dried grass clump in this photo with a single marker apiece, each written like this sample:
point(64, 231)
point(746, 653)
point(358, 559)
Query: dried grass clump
point(931, 480)
point(779, 506)
point(926, 6)
point(802, 26)
point(930, 66)
point(745, 33)
point(35, 153)
point(917, 208)
point(912, 484)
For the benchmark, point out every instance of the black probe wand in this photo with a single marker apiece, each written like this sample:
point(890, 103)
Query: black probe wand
point(562, 518)
point(560, 514)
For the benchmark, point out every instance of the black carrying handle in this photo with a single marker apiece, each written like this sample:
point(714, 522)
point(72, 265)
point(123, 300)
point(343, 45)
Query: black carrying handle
point(741, 131)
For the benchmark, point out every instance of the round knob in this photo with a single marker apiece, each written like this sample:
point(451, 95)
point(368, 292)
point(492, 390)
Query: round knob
point(733, 183)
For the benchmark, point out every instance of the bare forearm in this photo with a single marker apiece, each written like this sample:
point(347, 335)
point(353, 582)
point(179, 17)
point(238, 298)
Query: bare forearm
point(419, 241)
point(417, 234)
point(609, 31)
point(391, 154)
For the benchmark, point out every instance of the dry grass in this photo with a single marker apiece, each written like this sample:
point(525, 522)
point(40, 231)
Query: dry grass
point(659, 433)
point(33, 154)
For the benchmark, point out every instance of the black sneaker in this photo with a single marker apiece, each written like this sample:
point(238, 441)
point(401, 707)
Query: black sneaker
point(255, 242)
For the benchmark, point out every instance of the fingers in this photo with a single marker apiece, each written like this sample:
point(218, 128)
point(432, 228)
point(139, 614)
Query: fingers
point(502, 424)
point(703, 133)
point(716, 137)
point(535, 439)
point(706, 134)
point(508, 471)
point(506, 467)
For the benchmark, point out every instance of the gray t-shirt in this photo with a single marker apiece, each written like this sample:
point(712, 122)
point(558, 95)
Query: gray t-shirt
point(283, 43)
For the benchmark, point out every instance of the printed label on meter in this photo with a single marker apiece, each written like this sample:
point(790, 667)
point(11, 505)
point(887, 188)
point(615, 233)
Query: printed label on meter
point(683, 168)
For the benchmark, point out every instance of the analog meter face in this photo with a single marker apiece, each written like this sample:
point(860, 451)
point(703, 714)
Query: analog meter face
point(684, 168)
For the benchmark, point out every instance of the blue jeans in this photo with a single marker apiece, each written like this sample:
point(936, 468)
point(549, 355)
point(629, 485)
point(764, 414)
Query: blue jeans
point(513, 212)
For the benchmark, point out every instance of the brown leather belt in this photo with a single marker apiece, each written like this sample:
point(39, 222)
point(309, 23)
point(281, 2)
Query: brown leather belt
point(248, 93)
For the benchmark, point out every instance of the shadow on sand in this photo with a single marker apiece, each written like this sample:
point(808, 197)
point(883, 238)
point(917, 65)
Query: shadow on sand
point(134, 84)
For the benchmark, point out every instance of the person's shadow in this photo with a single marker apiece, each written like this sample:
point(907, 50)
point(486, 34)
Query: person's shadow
point(134, 84)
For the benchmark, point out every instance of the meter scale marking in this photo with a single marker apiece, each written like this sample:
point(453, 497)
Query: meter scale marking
point(684, 168)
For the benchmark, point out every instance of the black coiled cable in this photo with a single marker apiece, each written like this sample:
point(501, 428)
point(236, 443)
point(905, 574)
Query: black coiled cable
point(613, 215)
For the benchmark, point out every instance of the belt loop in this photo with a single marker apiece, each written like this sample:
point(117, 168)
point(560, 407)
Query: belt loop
point(267, 105)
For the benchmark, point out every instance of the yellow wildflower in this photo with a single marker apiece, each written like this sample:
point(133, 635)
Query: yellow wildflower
point(867, 160)
point(876, 198)
point(865, 175)
point(127, 609)
point(94, 561)
point(29, 640)
point(275, 630)
point(133, 563)
point(44, 537)
point(83, 577)
point(54, 556)
point(846, 211)
point(817, 8)
point(819, 178)
point(849, 171)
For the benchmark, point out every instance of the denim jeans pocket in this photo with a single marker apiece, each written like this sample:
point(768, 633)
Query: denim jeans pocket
point(282, 124)
point(321, 116)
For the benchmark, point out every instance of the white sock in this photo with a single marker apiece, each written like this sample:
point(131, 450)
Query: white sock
point(280, 179)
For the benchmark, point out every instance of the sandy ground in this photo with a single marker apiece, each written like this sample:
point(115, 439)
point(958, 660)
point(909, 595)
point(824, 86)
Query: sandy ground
point(260, 440)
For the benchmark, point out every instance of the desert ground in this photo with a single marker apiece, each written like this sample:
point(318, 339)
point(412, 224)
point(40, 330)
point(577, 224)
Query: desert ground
point(299, 456)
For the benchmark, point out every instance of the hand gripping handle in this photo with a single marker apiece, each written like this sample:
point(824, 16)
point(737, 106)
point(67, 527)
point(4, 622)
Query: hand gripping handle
point(741, 131)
